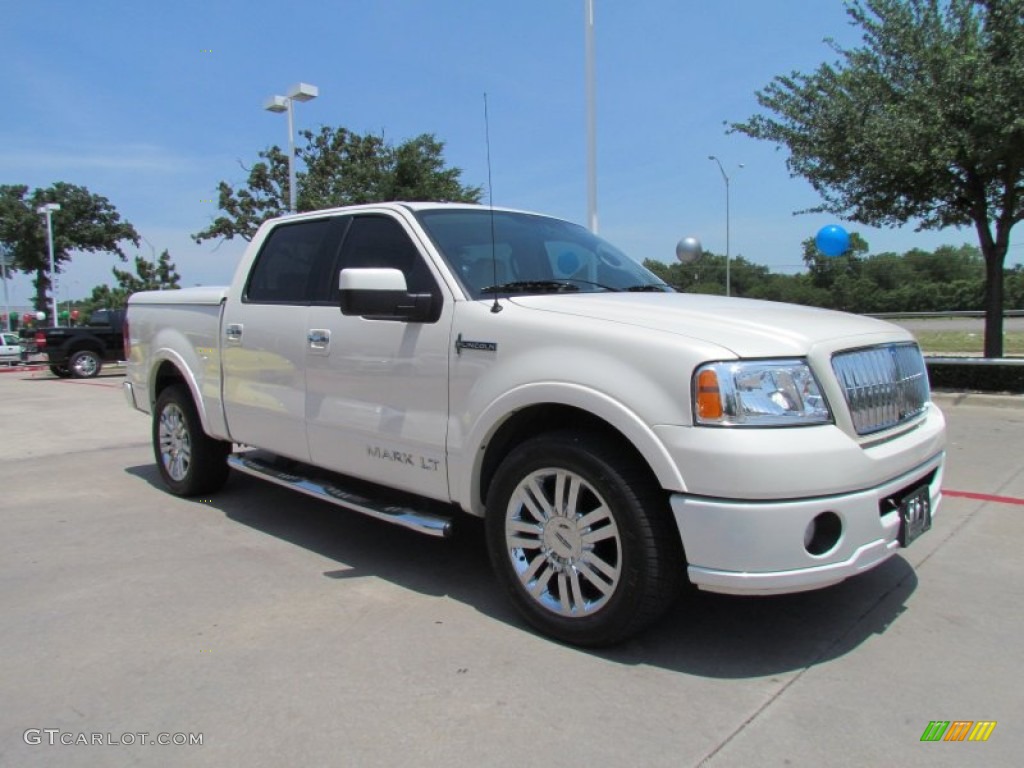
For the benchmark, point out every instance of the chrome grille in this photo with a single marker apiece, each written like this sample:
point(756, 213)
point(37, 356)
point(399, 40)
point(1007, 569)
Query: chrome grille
point(884, 386)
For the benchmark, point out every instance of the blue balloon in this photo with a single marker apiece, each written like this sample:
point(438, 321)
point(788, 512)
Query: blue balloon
point(568, 263)
point(832, 240)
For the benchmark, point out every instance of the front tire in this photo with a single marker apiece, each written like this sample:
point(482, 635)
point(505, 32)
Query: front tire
point(579, 535)
point(190, 461)
point(85, 364)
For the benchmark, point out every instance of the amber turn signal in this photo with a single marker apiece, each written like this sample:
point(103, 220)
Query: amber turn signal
point(709, 397)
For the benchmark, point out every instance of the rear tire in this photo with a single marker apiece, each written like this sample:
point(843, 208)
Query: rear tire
point(190, 461)
point(61, 371)
point(85, 364)
point(580, 536)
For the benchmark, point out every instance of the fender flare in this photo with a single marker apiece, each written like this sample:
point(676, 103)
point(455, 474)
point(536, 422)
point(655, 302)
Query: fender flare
point(167, 355)
point(614, 413)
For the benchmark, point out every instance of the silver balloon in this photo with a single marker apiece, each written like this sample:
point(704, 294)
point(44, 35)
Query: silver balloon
point(688, 250)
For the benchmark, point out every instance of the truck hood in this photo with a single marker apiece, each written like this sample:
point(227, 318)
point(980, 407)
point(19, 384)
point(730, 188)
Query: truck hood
point(746, 327)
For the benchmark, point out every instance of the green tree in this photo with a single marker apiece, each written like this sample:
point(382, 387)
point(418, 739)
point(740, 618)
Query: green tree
point(85, 222)
point(1015, 288)
point(340, 168)
point(161, 275)
point(923, 122)
point(888, 271)
point(947, 263)
point(706, 275)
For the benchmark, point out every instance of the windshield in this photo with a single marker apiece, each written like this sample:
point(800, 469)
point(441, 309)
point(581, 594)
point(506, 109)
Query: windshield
point(531, 254)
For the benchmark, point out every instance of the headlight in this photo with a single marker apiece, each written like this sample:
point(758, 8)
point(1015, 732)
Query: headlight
point(758, 393)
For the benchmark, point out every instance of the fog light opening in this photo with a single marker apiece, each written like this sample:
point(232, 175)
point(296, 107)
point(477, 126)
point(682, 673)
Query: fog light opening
point(822, 533)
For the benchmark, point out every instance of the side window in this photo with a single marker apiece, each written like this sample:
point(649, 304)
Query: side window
point(380, 241)
point(284, 265)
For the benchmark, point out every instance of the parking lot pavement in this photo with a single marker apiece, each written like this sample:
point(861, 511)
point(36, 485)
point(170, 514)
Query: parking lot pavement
point(282, 631)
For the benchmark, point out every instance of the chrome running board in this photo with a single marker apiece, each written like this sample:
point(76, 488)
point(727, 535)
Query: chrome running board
point(327, 489)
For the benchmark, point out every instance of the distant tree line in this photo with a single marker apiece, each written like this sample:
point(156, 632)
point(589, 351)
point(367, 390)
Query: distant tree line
point(946, 279)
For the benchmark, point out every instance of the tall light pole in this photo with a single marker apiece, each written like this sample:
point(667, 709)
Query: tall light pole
point(298, 92)
point(591, 118)
point(725, 177)
point(4, 256)
point(47, 210)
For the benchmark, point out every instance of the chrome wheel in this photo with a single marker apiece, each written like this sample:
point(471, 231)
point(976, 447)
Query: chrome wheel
point(175, 442)
point(190, 461)
point(84, 364)
point(581, 537)
point(563, 542)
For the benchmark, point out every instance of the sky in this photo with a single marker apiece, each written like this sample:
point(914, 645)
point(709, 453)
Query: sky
point(152, 104)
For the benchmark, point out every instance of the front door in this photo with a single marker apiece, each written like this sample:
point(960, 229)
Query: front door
point(377, 390)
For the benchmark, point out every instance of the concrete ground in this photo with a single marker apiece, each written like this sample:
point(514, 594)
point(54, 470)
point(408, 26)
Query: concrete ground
point(287, 632)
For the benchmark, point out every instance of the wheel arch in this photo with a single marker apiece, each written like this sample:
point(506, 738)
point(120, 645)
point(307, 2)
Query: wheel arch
point(559, 410)
point(169, 369)
point(86, 345)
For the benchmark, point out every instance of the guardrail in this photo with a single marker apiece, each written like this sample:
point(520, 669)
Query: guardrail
point(976, 374)
point(1013, 362)
point(956, 313)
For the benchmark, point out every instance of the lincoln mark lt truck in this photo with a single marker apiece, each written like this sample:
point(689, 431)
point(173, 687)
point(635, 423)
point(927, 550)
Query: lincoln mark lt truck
point(417, 362)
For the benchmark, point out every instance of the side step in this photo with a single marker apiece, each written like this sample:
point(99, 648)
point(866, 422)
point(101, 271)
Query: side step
point(326, 487)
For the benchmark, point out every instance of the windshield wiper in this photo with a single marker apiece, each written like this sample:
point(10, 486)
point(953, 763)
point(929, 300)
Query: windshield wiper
point(531, 286)
point(566, 284)
point(650, 287)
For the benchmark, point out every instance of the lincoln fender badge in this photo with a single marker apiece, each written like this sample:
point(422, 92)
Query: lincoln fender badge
point(479, 346)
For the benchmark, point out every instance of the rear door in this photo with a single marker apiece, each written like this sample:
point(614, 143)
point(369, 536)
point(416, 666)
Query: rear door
point(264, 337)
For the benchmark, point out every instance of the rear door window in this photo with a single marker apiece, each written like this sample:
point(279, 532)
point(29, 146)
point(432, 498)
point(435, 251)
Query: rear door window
point(287, 263)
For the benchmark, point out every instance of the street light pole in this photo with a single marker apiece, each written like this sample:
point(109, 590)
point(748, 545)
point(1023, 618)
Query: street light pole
point(4, 255)
point(725, 178)
point(591, 119)
point(47, 210)
point(298, 92)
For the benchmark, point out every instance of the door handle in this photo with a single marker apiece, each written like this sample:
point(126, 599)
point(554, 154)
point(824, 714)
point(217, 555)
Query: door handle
point(319, 338)
point(233, 333)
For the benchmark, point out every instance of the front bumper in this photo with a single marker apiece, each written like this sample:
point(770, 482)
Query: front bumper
point(757, 547)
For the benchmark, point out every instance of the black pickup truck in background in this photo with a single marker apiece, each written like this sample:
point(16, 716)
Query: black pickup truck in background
point(81, 351)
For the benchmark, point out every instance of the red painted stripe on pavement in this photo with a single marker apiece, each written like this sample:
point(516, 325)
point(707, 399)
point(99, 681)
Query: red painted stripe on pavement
point(21, 368)
point(984, 497)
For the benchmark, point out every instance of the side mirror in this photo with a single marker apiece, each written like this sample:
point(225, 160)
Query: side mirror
point(382, 294)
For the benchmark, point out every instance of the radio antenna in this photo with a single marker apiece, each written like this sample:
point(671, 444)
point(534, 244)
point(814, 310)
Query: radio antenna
point(495, 307)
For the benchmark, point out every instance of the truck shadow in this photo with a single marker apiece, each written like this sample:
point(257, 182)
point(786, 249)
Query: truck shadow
point(715, 636)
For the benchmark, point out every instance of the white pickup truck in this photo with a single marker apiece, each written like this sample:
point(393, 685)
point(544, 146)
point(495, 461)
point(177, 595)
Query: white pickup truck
point(419, 361)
